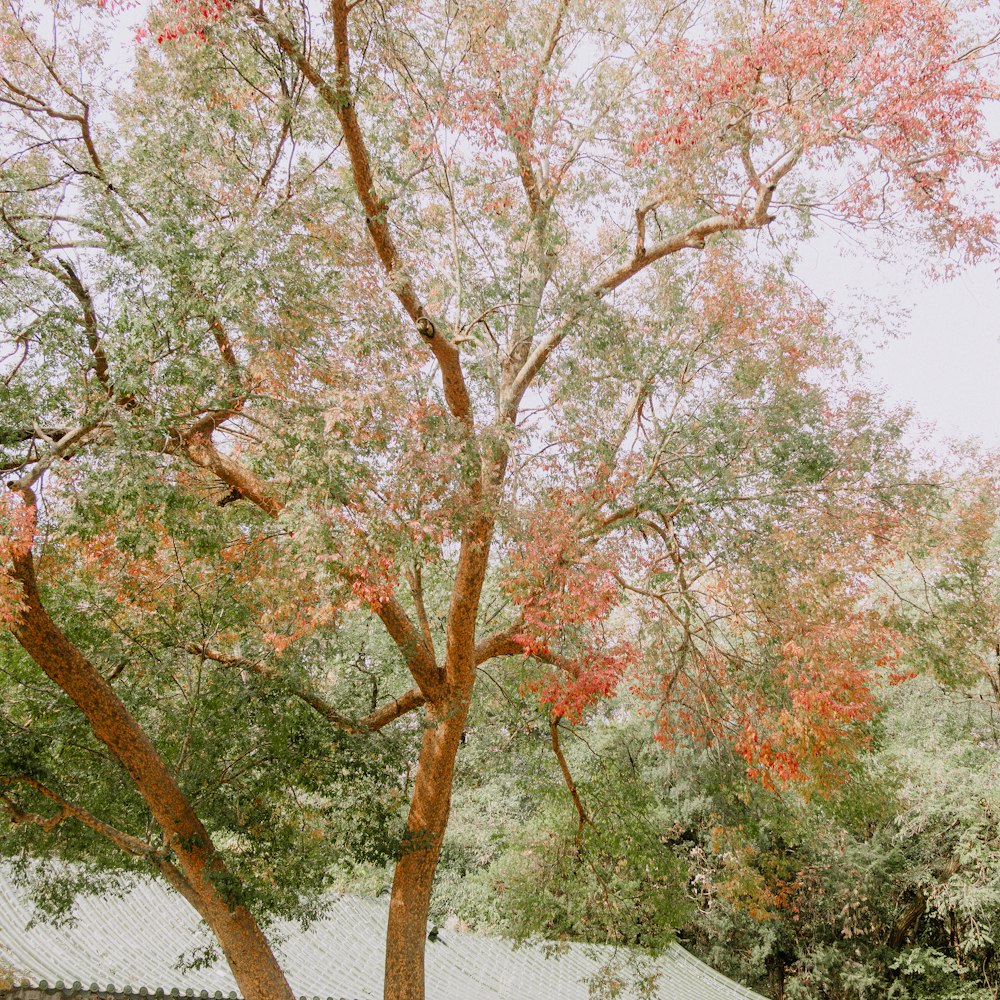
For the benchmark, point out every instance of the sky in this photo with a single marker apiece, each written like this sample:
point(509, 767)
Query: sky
point(944, 359)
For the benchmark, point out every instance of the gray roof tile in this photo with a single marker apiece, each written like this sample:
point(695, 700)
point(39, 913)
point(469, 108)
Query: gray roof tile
point(136, 940)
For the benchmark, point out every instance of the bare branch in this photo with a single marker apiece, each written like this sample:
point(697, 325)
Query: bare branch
point(375, 720)
point(391, 711)
point(581, 813)
point(58, 449)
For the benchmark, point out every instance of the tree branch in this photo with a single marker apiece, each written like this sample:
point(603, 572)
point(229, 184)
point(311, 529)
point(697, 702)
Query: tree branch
point(197, 865)
point(419, 658)
point(340, 98)
point(391, 711)
point(694, 238)
point(582, 817)
point(375, 720)
point(415, 579)
point(503, 643)
point(57, 449)
point(69, 810)
point(66, 274)
point(223, 342)
point(200, 448)
point(499, 644)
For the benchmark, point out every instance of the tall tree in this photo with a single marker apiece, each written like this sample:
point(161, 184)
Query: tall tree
point(416, 297)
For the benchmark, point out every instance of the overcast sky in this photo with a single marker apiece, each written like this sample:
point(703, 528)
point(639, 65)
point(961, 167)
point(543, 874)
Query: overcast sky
point(945, 359)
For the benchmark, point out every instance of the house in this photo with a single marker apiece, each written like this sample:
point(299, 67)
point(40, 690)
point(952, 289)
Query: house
point(129, 946)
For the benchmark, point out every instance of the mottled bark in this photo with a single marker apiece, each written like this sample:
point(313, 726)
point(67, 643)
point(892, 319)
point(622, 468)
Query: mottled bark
point(425, 828)
point(196, 866)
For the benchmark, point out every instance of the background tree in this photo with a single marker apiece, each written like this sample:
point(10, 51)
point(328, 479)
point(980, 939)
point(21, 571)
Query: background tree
point(386, 304)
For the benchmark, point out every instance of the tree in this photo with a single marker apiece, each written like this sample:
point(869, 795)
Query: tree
point(404, 302)
point(946, 592)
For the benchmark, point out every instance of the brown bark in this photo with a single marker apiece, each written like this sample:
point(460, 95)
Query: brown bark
point(428, 818)
point(339, 96)
point(430, 803)
point(197, 866)
point(906, 920)
point(202, 451)
point(582, 818)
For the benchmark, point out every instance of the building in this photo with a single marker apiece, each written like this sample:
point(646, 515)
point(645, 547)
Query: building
point(129, 946)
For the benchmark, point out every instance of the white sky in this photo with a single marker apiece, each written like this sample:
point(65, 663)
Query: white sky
point(945, 360)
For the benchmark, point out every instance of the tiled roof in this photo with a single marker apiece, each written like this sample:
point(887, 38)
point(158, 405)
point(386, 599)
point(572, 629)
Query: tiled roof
point(126, 944)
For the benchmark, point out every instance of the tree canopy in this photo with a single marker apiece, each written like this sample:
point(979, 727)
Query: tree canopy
point(367, 364)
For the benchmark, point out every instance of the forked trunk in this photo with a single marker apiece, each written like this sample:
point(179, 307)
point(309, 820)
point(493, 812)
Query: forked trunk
point(406, 937)
point(197, 866)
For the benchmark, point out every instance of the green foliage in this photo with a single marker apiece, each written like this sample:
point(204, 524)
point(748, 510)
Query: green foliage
point(285, 797)
point(679, 513)
point(887, 885)
point(612, 880)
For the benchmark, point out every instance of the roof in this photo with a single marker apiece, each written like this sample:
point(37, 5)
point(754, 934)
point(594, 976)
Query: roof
point(124, 944)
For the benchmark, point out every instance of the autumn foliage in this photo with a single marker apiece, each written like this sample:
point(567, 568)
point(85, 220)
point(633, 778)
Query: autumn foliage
point(474, 328)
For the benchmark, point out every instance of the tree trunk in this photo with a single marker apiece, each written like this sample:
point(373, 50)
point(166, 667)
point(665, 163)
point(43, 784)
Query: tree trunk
point(430, 805)
point(197, 865)
point(247, 951)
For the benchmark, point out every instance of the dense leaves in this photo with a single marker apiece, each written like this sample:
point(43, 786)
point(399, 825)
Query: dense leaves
point(355, 355)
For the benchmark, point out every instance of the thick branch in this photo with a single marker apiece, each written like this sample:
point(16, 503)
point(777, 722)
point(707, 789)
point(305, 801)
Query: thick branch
point(202, 451)
point(83, 296)
point(68, 810)
point(391, 711)
point(503, 643)
point(114, 726)
point(499, 644)
point(199, 867)
point(340, 98)
point(693, 237)
point(470, 572)
point(223, 342)
point(415, 579)
point(522, 153)
point(418, 655)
